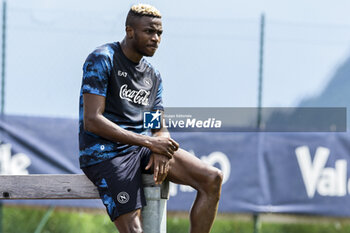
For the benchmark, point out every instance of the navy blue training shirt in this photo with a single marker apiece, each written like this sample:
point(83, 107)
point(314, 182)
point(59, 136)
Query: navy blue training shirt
point(129, 89)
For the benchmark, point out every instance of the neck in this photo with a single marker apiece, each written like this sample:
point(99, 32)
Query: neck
point(129, 52)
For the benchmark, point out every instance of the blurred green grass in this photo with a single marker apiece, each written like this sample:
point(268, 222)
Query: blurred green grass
point(23, 219)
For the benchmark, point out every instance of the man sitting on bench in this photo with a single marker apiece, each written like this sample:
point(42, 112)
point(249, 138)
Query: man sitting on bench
point(118, 86)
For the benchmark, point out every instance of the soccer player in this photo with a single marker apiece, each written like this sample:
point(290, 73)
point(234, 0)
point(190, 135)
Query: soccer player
point(118, 86)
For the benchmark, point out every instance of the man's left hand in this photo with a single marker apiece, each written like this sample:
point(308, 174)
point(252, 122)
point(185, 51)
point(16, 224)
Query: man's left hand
point(160, 167)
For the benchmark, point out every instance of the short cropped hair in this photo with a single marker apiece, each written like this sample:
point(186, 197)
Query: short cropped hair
point(140, 10)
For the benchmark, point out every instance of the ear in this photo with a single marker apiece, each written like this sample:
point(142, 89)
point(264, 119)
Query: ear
point(129, 32)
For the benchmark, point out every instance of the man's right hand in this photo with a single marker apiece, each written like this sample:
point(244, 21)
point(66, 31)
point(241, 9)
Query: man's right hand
point(163, 145)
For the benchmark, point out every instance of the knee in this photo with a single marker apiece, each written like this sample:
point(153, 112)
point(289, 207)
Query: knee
point(136, 229)
point(130, 229)
point(129, 223)
point(214, 182)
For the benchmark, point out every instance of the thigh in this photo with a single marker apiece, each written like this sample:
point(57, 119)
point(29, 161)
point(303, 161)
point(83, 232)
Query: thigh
point(187, 169)
point(119, 183)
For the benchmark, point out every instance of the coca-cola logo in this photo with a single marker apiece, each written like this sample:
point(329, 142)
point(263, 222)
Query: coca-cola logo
point(135, 96)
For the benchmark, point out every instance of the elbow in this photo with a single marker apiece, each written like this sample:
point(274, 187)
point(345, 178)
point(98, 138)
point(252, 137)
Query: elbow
point(89, 123)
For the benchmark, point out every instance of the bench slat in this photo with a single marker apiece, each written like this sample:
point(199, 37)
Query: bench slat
point(60, 186)
point(47, 186)
point(78, 186)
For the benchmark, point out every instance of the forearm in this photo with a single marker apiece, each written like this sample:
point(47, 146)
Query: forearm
point(163, 132)
point(105, 128)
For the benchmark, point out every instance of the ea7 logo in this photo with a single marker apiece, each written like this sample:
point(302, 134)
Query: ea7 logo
point(122, 73)
point(15, 165)
point(326, 181)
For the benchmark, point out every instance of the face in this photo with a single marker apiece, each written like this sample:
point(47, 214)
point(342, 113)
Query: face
point(147, 35)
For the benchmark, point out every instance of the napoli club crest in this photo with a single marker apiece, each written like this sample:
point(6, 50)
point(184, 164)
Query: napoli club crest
point(123, 197)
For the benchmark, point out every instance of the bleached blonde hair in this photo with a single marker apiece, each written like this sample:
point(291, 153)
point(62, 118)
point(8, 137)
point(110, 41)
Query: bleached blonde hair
point(145, 10)
point(140, 10)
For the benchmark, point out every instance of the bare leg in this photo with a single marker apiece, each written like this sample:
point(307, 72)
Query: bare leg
point(130, 222)
point(187, 169)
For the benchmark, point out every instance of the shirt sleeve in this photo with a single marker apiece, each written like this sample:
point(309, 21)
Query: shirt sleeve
point(95, 75)
point(158, 103)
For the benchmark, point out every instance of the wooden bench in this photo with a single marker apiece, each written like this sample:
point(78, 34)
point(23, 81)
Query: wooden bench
point(78, 186)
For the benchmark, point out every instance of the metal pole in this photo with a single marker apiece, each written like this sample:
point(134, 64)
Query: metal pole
point(4, 10)
point(258, 124)
point(1, 216)
point(256, 223)
point(261, 63)
point(44, 220)
point(3, 57)
point(154, 213)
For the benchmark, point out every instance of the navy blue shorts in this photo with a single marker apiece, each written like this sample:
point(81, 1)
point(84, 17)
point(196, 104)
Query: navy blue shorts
point(119, 181)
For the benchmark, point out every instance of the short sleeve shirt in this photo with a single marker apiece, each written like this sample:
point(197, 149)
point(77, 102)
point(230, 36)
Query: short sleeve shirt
point(129, 89)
